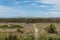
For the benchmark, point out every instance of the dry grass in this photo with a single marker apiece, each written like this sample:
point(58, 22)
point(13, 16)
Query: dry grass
point(28, 27)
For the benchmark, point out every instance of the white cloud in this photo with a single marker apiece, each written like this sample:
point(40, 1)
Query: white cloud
point(37, 5)
point(43, 6)
point(33, 4)
point(27, 1)
point(55, 8)
point(56, 4)
point(50, 1)
point(16, 2)
point(4, 10)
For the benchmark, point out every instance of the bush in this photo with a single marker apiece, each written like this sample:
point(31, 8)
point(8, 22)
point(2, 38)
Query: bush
point(50, 38)
point(11, 26)
point(11, 37)
point(51, 29)
point(30, 36)
point(4, 26)
point(58, 38)
point(42, 37)
point(16, 26)
point(19, 30)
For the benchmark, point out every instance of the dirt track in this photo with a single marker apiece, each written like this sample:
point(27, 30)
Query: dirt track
point(35, 32)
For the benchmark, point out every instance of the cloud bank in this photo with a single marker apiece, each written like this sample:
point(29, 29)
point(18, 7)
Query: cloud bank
point(30, 8)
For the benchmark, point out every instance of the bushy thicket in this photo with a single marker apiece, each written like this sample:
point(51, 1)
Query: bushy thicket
point(51, 29)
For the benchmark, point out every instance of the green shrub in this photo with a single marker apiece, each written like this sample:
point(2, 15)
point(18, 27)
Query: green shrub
point(11, 26)
point(4, 26)
point(50, 38)
point(58, 38)
point(30, 36)
point(51, 29)
point(16, 26)
point(42, 37)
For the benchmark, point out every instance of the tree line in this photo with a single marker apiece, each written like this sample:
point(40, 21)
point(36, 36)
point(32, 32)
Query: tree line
point(31, 20)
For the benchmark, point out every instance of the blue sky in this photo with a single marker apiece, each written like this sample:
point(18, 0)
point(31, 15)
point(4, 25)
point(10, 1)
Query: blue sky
point(29, 8)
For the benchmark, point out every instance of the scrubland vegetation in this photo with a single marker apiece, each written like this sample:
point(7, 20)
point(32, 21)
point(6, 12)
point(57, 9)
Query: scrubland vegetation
point(50, 33)
point(26, 32)
point(31, 20)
